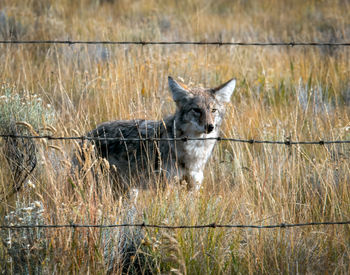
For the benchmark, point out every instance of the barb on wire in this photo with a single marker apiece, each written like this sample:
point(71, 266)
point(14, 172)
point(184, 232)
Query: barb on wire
point(209, 43)
point(183, 139)
point(161, 226)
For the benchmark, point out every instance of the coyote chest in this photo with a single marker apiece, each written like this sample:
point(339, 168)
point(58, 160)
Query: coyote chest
point(142, 150)
point(194, 154)
point(197, 152)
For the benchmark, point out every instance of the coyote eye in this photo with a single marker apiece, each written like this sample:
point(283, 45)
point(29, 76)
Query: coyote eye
point(214, 110)
point(196, 110)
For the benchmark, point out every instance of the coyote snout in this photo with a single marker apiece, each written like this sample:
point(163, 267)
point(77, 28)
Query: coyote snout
point(209, 128)
point(199, 114)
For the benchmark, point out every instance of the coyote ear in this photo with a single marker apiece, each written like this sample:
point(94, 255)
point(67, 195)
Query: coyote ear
point(179, 93)
point(223, 92)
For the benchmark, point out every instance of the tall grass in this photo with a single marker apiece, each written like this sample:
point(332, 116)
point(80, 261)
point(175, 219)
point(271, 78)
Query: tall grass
point(301, 93)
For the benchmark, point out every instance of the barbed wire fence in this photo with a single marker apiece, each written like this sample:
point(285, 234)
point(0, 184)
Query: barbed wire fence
point(207, 43)
point(180, 139)
point(162, 226)
point(159, 226)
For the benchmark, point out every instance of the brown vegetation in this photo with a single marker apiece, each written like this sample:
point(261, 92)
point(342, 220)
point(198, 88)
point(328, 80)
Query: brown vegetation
point(300, 93)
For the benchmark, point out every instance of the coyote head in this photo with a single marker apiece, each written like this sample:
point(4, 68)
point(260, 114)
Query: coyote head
point(200, 111)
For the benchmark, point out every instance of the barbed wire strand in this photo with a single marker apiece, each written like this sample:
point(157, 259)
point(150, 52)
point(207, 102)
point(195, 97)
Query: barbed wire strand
point(144, 43)
point(183, 139)
point(161, 226)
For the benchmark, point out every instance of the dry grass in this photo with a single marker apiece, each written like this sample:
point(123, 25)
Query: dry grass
point(299, 93)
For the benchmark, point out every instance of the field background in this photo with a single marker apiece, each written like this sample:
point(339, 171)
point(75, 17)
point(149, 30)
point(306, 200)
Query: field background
point(297, 93)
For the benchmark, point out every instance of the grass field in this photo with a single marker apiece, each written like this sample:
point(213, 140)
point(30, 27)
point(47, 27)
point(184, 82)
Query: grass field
point(297, 93)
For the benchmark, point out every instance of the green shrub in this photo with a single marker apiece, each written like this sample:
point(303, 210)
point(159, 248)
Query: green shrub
point(21, 153)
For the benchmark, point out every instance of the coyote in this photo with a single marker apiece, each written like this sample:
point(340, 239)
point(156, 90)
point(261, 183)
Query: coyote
point(199, 114)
